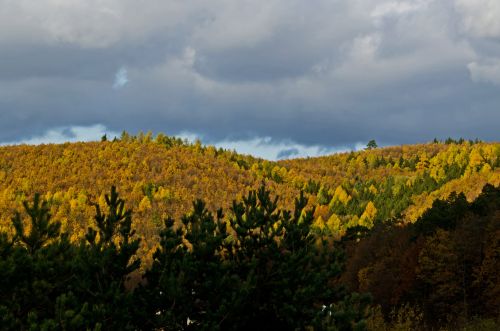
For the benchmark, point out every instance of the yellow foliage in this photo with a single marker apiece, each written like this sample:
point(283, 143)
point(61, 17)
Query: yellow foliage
point(368, 215)
point(341, 195)
point(73, 176)
point(334, 224)
point(373, 189)
point(475, 159)
point(319, 223)
point(423, 163)
point(486, 169)
point(144, 205)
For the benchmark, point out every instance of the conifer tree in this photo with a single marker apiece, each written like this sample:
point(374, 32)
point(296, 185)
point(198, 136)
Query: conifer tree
point(262, 269)
point(104, 263)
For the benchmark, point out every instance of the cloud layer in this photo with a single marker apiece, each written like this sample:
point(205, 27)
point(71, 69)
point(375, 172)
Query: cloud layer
point(316, 73)
point(61, 135)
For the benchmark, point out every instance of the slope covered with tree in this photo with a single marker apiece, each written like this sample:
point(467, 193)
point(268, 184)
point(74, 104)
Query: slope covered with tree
point(360, 188)
point(160, 176)
point(418, 224)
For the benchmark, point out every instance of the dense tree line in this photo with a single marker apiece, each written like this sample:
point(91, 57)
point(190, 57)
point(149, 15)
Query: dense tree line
point(156, 179)
point(159, 176)
point(362, 188)
point(443, 268)
point(259, 267)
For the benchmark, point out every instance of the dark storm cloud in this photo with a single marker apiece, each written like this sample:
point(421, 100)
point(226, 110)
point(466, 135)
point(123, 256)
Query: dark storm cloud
point(328, 73)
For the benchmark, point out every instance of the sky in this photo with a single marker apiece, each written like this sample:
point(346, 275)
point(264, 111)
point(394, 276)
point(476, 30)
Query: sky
point(273, 78)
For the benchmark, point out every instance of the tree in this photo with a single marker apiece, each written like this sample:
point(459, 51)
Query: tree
point(241, 273)
point(368, 215)
point(437, 271)
point(104, 263)
point(323, 197)
point(34, 269)
point(371, 144)
point(41, 229)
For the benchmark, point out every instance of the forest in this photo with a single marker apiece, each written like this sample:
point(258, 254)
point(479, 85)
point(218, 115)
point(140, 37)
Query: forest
point(153, 232)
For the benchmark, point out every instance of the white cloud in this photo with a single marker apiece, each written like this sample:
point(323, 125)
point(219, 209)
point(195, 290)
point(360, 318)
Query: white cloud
point(485, 72)
point(267, 148)
point(91, 24)
point(271, 150)
point(68, 134)
point(481, 18)
point(121, 78)
point(263, 147)
point(397, 8)
point(364, 48)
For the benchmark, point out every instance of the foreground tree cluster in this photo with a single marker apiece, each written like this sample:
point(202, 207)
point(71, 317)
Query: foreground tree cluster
point(442, 270)
point(258, 268)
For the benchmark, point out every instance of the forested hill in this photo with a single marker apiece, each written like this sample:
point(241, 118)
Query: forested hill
point(395, 182)
point(161, 176)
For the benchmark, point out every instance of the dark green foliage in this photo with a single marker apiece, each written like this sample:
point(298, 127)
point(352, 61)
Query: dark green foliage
point(347, 314)
point(41, 229)
point(188, 278)
point(311, 187)
point(149, 189)
point(33, 269)
point(371, 144)
point(338, 208)
point(169, 141)
point(488, 200)
point(323, 196)
point(461, 140)
point(103, 264)
point(260, 268)
point(444, 214)
point(49, 283)
point(393, 195)
point(355, 233)
point(271, 246)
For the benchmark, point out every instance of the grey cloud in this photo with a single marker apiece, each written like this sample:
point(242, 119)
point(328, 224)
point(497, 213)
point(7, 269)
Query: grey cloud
point(332, 73)
point(64, 134)
point(286, 153)
point(485, 72)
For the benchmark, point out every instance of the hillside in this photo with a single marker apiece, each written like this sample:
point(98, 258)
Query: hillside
point(395, 182)
point(386, 224)
point(161, 176)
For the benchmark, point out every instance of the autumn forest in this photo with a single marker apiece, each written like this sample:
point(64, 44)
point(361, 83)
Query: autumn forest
point(157, 233)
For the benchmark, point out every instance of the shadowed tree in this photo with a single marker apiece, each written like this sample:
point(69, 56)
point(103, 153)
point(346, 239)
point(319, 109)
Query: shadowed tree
point(262, 269)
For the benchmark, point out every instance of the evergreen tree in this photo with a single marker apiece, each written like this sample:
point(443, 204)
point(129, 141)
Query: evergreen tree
point(371, 144)
point(264, 270)
point(34, 268)
point(103, 265)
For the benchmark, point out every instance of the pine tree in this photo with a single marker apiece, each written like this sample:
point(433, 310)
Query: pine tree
point(371, 144)
point(242, 273)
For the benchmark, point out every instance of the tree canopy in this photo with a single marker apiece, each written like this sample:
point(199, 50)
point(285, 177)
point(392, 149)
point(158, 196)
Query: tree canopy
point(259, 268)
